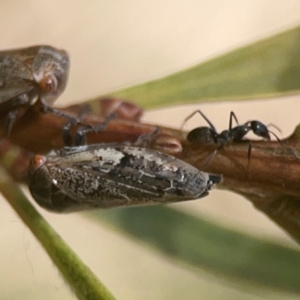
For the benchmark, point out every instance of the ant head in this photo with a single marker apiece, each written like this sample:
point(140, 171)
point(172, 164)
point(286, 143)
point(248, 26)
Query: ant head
point(205, 135)
point(260, 129)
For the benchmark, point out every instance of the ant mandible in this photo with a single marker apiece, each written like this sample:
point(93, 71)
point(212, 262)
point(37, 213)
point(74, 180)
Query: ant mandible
point(209, 135)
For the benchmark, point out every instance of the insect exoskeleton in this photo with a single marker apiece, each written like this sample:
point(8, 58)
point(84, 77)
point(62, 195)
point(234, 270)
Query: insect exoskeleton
point(114, 175)
point(209, 135)
point(110, 107)
point(166, 143)
point(39, 71)
point(28, 75)
point(122, 109)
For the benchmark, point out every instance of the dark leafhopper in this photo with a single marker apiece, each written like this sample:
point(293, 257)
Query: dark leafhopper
point(114, 175)
point(29, 75)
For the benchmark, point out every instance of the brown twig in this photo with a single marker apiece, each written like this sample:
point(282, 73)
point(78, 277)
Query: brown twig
point(270, 180)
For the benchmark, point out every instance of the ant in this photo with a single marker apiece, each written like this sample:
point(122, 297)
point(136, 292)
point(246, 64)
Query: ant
point(209, 135)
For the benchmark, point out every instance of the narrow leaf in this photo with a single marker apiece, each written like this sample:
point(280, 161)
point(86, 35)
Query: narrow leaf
point(205, 245)
point(83, 281)
point(266, 68)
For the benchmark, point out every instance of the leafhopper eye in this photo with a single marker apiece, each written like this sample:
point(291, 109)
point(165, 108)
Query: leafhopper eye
point(36, 162)
point(49, 84)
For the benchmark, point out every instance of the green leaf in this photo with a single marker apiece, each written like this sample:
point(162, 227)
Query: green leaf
point(83, 281)
point(270, 67)
point(205, 245)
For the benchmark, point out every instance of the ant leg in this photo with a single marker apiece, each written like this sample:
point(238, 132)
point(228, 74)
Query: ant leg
point(145, 139)
point(232, 115)
point(67, 138)
point(80, 137)
point(249, 155)
point(249, 150)
point(11, 118)
point(209, 159)
point(211, 156)
point(59, 113)
point(203, 116)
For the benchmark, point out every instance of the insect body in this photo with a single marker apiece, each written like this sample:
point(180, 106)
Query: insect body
point(104, 176)
point(209, 135)
point(107, 107)
point(29, 75)
point(236, 134)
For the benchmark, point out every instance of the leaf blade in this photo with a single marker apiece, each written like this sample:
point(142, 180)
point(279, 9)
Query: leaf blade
point(208, 246)
point(83, 281)
point(269, 67)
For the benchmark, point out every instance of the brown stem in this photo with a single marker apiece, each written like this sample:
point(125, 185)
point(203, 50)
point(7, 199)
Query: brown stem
point(270, 180)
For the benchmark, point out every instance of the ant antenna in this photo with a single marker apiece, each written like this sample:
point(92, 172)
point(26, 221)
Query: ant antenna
point(274, 126)
point(281, 143)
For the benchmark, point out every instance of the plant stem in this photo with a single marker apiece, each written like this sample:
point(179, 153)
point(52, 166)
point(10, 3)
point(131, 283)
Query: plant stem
point(83, 281)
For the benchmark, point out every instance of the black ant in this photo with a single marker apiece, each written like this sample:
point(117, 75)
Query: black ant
point(209, 135)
